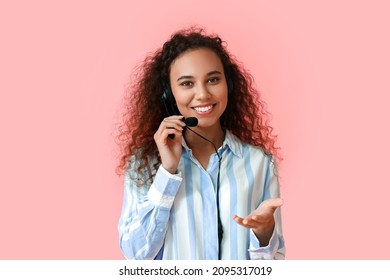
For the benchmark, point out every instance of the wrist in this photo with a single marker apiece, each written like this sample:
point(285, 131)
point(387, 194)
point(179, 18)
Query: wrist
point(172, 170)
point(264, 234)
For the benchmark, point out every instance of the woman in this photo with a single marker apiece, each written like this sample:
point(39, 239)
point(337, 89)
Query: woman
point(205, 191)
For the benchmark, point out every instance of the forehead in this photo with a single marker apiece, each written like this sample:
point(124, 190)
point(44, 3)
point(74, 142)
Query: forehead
point(196, 62)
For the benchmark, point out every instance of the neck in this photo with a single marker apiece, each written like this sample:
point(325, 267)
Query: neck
point(215, 135)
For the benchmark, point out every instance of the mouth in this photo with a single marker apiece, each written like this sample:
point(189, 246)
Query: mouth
point(203, 109)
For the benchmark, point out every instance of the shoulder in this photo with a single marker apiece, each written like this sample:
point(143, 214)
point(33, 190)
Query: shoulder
point(250, 155)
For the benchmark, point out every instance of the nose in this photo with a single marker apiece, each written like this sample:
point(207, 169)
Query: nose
point(201, 92)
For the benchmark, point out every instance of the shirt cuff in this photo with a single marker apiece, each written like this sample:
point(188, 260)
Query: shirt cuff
point(263, 253)
point(164, 188)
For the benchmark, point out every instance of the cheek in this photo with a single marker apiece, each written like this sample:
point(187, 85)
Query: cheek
point(221, 91)
point(224, 97)
point(182, 100)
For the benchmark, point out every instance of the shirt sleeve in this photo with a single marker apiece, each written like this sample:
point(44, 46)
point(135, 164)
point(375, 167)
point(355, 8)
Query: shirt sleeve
point(276, 249)
point(145, 214)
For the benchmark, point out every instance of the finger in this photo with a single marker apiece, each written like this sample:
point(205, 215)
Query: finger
point(179, 125)
point(239, 221)
point(249, 219)
point(236, 218)
point(272, 203)
point(250, 223)
point(170, 133)
point(242, 221)
point(169, 124)
point(255, 220)
point(176, 119)
point(259, 218)
point(163, 134)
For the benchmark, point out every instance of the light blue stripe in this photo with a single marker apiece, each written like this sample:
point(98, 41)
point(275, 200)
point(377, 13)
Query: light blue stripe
point(267, 192)
point(233, 204)
point(250, 178)
point(209, 185)
point(190, 208)
point(209, 219)
point(206, 221)
point(175, 236)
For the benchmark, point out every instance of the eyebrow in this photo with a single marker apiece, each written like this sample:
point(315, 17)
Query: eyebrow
point(190, 77)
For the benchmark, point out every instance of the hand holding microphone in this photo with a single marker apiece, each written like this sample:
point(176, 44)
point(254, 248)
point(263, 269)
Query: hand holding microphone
point(190, 121)
point(168, 145)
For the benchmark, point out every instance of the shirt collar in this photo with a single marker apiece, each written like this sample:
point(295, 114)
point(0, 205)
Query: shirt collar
point(234, 144)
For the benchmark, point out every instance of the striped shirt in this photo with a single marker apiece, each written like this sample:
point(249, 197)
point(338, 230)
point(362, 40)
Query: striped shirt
point(176, 217)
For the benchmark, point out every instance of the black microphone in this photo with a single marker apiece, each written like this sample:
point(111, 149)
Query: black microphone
point(191, 121)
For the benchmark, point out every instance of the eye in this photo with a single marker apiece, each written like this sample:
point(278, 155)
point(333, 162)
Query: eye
point(186, 84)
point(213, 80)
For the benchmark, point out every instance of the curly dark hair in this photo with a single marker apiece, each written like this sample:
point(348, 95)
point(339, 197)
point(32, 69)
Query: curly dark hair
point(245, 115)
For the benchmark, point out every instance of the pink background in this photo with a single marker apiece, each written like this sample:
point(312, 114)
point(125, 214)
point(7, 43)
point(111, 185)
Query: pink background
point(322, 66)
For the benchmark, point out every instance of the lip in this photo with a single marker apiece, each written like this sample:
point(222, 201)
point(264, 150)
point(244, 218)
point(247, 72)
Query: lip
point(204, 105)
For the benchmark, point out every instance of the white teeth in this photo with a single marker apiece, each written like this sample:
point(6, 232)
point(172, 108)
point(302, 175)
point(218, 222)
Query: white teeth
point(203, 109)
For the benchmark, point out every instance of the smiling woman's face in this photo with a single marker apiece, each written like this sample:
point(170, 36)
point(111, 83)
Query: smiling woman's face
point(199, 86)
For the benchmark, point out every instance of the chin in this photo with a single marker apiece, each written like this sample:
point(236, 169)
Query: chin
point(207, 124)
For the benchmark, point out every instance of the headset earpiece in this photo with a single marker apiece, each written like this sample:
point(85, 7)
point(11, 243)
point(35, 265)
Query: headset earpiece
point(167, 94)
point(169, 100)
